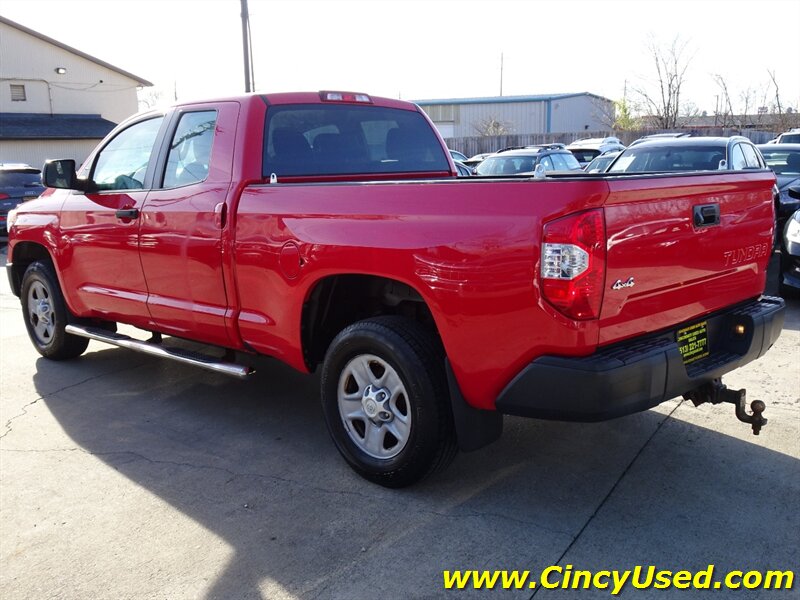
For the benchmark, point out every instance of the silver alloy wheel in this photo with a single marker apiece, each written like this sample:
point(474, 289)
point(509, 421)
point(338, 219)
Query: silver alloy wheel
point(374, 406)
point(41, 313)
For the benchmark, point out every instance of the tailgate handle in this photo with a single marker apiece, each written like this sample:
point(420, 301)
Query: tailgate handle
point(706, 215)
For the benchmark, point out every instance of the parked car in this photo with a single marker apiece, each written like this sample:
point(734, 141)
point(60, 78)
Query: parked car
point(524, 160)
point(474, 161)
point(602, 162)
point(463, 170)
point(18, 182)
point(589, 149)
point(659, 136)
point(457, 156)
point(784, 160)
point(689, 154)
point(789, 278)
point(789, 137)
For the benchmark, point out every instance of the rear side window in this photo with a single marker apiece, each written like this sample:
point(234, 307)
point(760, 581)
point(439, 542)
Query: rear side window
point(751, 157)
point(190, 149)
point(737, 158)
point(565, 162)
point(307, 140)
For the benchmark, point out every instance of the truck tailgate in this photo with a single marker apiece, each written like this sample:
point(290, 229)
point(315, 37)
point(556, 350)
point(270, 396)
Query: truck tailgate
point(682, 247)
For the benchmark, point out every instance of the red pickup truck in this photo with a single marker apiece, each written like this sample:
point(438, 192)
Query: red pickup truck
point(329, 229)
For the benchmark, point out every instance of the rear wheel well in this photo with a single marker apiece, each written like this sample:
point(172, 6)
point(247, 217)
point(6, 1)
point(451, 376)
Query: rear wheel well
point(24, 254)
point(340, 300)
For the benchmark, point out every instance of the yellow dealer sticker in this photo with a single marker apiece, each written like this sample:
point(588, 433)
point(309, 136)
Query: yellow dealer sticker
point(693, 342)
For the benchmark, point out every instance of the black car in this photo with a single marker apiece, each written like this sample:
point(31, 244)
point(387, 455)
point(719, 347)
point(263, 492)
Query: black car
point(525, 160)
point(784, 160)
point(689, 154)
point(789, 278)
point(18, 182)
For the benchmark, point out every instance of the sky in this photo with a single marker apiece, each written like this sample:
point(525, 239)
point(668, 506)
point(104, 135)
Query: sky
point(429, 49)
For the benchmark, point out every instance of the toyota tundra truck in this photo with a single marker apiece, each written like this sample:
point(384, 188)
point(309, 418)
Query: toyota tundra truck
point(329, 230)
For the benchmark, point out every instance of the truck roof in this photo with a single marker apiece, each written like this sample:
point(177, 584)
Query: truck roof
point(302, 98)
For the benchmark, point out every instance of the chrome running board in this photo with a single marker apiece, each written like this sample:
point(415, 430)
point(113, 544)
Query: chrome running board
point(184, 356)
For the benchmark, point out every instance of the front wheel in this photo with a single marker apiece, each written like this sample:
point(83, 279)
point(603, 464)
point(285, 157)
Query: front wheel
point(46, 314)
point(384, 396)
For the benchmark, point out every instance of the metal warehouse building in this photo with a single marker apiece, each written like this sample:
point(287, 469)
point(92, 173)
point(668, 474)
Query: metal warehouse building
point(553, 113)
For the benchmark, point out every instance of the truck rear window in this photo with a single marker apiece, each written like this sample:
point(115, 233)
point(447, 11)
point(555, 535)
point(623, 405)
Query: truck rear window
point(307, 140)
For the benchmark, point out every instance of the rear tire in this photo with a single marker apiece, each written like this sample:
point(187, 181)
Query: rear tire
point(46, 314)
point(385, 400)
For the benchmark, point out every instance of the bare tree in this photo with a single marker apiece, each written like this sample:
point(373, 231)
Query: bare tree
point(724, 114)
point(492, 126)
point(663, 98)
point(785, 118)
point(150, 98)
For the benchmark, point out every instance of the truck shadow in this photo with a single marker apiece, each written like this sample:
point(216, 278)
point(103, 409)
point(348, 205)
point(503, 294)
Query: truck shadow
point(252, 462)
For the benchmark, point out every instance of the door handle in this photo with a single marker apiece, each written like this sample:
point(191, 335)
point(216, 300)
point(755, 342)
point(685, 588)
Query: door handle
point(127, 213)
point(706, 215)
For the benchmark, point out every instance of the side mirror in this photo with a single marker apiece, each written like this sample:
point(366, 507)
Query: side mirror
point(723, 165)
point(61, 174)
point(794, 192)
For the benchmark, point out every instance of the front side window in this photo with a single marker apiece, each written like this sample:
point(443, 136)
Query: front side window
point(122, 164)
point(190, 149)
point(308, 140)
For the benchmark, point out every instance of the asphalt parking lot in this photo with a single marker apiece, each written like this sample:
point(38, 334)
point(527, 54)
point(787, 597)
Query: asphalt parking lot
point(122, 476)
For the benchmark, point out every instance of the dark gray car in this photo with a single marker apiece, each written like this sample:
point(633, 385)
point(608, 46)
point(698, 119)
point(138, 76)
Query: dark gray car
point(18, 183)
point(784, 160)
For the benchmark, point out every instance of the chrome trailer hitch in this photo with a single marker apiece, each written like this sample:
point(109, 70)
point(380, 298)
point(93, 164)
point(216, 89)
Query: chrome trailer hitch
point(716, 392)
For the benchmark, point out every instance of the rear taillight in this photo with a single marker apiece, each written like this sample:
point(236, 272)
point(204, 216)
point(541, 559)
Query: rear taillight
point(4, 196)
point(573, 270)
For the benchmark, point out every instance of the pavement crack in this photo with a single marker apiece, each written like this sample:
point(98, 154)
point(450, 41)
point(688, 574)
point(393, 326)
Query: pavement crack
point(612, 490)
point(25, 408)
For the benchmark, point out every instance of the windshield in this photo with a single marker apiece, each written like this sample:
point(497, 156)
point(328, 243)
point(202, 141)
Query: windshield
point(783, 162)
point(585, 155)
point(648, 158)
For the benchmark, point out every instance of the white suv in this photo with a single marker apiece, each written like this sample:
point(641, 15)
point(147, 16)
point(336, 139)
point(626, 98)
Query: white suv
point(589, 149)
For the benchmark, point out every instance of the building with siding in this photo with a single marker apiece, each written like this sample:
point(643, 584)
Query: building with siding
point(56, 101)
point(553, 113)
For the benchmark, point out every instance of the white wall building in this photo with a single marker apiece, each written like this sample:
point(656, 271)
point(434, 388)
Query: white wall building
point(56, 101)
point(549, 113)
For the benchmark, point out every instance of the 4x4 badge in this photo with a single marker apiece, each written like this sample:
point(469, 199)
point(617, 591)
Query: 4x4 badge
point(619, 284)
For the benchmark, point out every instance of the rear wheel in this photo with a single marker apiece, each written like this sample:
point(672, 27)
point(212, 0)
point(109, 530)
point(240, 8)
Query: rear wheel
point(384, 396)
point(46, 314)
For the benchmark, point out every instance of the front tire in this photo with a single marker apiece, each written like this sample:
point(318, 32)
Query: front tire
point(384, 396)
point(46, 314)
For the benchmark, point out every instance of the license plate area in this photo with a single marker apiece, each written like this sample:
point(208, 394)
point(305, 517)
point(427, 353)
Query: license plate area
point(693, 342)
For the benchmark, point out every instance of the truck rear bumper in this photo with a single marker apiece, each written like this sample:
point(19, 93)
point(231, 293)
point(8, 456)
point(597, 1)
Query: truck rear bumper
point(638, 374)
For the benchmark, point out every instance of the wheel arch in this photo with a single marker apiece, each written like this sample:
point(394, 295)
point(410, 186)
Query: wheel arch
point(336, 301)
point(24, 254)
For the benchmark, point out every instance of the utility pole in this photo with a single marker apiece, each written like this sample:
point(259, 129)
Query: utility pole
point(247, 49)
point(501, 73)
